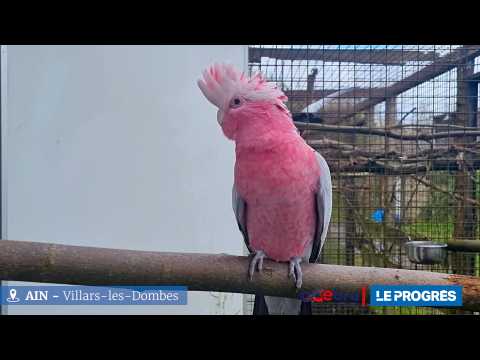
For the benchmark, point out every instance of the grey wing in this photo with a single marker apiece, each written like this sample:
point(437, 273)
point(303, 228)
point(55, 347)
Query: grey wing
point(240, 210)
point(323, 208)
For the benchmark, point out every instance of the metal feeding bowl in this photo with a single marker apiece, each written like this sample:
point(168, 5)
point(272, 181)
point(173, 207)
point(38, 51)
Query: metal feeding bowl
point(426, 252)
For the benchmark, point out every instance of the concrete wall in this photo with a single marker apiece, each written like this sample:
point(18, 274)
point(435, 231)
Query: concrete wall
point(115, 146)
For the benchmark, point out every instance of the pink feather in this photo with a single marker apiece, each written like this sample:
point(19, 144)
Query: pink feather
point(222, 81)
point(276, 172)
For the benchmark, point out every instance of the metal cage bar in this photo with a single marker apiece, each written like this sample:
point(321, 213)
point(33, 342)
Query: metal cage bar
point(398, 125)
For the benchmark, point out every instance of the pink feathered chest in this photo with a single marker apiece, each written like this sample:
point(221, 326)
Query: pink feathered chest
point(279, 188)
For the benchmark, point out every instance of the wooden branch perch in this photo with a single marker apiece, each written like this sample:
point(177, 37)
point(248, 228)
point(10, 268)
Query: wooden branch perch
point(464, 245)
point(52, 263)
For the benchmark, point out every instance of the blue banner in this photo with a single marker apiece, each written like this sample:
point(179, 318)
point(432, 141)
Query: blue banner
point(415, 295)
point(93, 295)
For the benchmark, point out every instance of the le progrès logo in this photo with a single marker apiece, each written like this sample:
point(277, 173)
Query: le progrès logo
point(390, 295)
point(416, 295)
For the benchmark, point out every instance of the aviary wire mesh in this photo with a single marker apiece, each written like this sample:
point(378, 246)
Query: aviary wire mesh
point(398, 126)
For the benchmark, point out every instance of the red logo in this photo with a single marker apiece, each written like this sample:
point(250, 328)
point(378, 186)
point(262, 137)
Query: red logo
point(332, 295)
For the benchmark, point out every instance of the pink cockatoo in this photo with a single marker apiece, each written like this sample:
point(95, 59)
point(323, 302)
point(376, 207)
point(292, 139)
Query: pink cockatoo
point(282, 192)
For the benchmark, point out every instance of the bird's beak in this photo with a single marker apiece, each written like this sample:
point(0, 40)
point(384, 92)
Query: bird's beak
point(220, 117)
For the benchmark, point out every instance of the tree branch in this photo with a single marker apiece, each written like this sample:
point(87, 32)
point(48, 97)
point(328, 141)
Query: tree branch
point(348, 150)
point(385, 133)
point(52, 263)
point(453, 195)
point(343, 158)
point(365, 165)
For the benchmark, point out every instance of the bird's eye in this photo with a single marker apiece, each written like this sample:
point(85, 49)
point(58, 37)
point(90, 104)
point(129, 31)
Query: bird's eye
point(235, 102)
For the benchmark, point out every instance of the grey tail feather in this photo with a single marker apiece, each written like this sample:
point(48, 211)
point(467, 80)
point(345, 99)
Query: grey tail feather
point(306, 308)
point(260, 307)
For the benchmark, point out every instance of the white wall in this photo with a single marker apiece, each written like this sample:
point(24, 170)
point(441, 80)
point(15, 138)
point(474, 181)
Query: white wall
point(115, 146)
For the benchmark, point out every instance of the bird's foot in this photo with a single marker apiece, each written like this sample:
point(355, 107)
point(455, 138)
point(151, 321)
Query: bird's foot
point(295, 271)
point(256, 262)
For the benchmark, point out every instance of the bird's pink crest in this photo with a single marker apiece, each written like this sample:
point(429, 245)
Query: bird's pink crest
point(223, 81)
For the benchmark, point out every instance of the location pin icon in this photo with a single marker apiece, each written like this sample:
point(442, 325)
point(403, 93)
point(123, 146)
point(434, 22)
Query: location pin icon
point(13, 294)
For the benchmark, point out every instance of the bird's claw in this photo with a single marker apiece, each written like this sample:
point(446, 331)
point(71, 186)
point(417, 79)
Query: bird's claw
point(295, 271)
point(256, 262)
